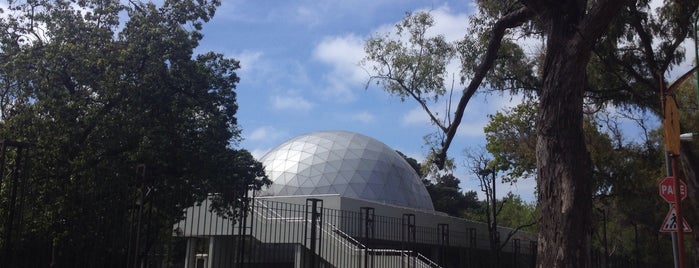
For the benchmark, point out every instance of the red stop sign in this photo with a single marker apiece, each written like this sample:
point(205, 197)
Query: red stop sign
point(666, 189)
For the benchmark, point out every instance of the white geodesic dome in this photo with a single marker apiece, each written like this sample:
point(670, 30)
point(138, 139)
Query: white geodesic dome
point(345, 163)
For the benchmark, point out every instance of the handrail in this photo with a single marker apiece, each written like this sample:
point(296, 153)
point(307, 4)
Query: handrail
point(425, 259)
point(336, 233)
point(347, 236)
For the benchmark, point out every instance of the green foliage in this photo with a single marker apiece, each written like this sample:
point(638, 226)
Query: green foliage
point(514, 213)
point(413, 163)
point(627, 66)
point(447, 196)
point(97, 98)
point(625, 176)
point(641, 45)
point(445, 192)
point(511, 139)
point(412, 62)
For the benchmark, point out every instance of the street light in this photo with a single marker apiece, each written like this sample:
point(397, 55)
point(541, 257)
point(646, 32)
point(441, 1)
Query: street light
point(687, 136)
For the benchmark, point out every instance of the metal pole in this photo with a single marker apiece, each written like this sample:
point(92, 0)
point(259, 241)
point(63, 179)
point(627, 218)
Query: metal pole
point(675, 252)
point(638, 257)
point(137, 257)
point(680, 219)
point(13, 196)
point(7, 250)
point(604, 236)
point(696, 55)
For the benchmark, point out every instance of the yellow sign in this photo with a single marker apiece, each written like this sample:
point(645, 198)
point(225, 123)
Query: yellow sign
point(671, 124)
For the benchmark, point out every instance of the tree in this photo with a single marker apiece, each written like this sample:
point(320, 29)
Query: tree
point(517, 213)
point(447, 196)
point(123, 119)
point(445, 192)
point(625, 174)
point(482, 166)
point(572, 30)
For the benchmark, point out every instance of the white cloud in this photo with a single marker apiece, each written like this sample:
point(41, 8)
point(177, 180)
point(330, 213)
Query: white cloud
point(343, 54)
point(471, 129)
point(266, 133)
point(250, 61)
point(259, 153)
point(291, 103)
point(451, 25)
point(415, 117)
point(363, 117)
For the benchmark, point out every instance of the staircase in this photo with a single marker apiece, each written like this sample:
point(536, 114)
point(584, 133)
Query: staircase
point(334, 247)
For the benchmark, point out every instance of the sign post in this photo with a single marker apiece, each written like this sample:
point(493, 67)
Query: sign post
point(672, 129)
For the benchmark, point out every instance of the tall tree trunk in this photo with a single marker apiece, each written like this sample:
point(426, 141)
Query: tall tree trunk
point(690, 167)
point(563, 163)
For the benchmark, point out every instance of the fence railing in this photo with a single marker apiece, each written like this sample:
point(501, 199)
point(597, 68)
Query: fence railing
point(278, 233)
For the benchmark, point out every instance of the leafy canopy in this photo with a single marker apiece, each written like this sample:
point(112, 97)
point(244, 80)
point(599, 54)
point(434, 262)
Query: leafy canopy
point(100, 88)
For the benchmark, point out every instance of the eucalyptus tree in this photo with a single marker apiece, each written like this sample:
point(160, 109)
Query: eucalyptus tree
point(604, 50)
point(121, 114)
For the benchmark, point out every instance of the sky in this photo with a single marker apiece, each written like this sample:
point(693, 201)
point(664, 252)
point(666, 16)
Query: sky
point(300, 73)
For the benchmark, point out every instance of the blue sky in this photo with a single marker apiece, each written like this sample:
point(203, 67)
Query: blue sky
point(300, 74)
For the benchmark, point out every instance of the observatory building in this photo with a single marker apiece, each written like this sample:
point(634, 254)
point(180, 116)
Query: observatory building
point(344, 163)
point(339, 199)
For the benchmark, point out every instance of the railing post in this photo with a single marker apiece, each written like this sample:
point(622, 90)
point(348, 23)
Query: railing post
point(316, 206)
point(367, 222)
point(443, 241)
point(242, 229)
point(533, 251)
point(408, 232)
point(515, 252)
point(18, 171)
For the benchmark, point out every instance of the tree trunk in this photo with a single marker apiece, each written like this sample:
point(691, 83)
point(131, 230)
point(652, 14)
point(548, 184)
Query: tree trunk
point(563, 163)
point(690, 166)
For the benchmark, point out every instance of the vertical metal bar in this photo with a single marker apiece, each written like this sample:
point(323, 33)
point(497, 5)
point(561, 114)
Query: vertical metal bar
point(443, 229)
point(315, 218)
point(250, 216)
point(368, 224)
point(7, 260)
point(533, 247)
point(696, 55)
point(515, 251)
point(13, 196)
point(24, 177)
point(242, 229)
point(142, 170)
point(680, 219)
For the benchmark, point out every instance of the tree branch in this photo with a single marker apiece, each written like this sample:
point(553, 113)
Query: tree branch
point(514, 231)
point(598, 18)
point(511, 20)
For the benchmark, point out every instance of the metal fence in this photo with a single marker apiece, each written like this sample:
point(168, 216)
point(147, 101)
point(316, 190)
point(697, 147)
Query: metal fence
point(276, 234)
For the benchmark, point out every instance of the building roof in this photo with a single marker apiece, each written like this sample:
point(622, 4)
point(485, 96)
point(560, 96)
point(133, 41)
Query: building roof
point(345, 163)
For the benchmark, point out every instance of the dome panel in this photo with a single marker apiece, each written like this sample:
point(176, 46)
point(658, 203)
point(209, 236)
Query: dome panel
point(345, 163)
